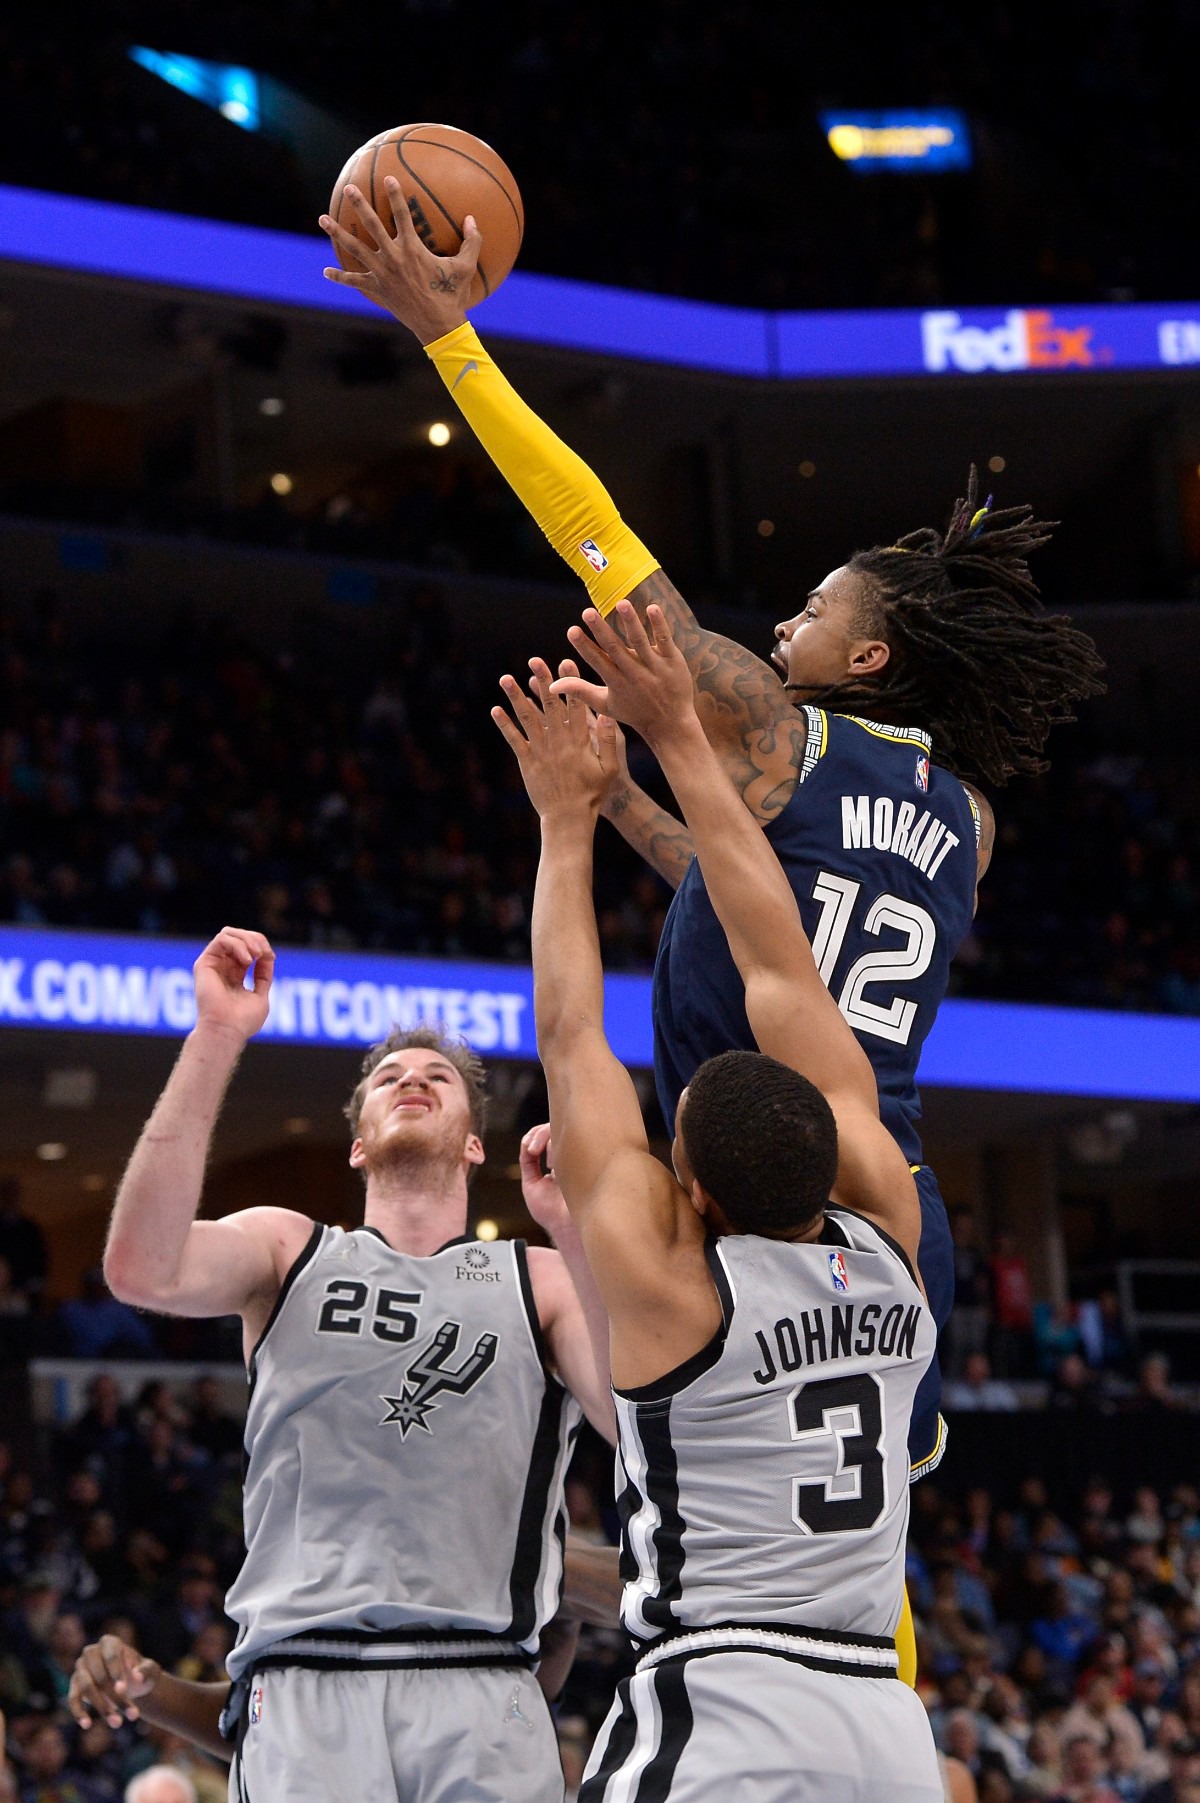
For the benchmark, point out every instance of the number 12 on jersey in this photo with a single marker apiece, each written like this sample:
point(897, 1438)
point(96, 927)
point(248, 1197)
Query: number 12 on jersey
point(838, 896)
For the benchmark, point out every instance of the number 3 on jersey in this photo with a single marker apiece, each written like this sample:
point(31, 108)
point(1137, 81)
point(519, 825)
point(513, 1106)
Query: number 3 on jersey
point(838, 896)
point(839, 1422)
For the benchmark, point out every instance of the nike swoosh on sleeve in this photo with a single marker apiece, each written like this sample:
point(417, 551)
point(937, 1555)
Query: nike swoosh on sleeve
point(464, 371)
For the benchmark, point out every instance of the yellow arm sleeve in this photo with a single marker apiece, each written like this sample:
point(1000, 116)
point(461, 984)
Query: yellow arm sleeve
point(906, 1645)
point(569, 503)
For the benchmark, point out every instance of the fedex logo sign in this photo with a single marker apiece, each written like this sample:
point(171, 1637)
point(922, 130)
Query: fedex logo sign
point(1026, 340)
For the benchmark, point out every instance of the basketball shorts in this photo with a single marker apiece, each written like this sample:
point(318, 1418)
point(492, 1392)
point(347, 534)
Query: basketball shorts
point(927, 1430)
point(436, 1735)
point(708, 1727)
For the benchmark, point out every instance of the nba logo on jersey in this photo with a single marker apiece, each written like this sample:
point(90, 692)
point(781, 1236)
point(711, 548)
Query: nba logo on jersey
point(256, 1700)
point(923, 773)
point(594, 554)
point(837, 1271)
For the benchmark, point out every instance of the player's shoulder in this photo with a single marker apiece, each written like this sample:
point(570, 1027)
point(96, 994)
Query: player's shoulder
point(284, 1232)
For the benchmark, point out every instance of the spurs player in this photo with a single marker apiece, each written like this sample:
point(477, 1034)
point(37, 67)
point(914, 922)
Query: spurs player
point(411, 1413)
point(768, 1329)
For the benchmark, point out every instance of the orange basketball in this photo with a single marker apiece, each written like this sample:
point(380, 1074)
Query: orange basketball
point(444, 174)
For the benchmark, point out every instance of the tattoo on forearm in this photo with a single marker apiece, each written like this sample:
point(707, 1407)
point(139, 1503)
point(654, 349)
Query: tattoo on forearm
point(670, 851)
point(743, 706)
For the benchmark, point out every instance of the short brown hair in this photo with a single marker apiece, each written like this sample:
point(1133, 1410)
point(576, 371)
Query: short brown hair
point(429, 1039)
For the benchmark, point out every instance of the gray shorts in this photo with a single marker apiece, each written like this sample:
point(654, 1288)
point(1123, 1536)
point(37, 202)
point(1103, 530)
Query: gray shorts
point(744, 1724)
point(475, 1734)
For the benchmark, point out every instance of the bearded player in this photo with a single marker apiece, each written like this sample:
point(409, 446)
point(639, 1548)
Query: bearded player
point(412, 1408)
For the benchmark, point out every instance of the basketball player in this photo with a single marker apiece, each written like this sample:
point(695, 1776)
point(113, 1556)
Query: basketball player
point(909, 668)
point(411, 1414)
point(766, 1340)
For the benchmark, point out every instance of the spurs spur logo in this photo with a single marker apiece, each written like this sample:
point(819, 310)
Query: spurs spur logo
point(430, 1375)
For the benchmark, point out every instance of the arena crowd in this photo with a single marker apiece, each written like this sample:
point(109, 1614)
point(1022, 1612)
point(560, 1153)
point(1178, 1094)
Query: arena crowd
point(186, 777)
point(1060, 1646)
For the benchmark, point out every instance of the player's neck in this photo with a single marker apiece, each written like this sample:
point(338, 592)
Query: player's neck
point(417, 1210)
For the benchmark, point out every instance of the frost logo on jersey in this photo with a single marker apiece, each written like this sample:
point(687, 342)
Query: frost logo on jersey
point(923, 774)
point(475, 1255)
point(428, 1377)
point(838, 1272)
point(594, 554)
point(1026, 340)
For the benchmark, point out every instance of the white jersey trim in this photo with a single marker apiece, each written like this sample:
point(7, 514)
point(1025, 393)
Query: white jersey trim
point(765, 1640)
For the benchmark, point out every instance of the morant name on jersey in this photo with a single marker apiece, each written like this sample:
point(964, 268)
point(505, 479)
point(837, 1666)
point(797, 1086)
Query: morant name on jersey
point(819, 1336)
point(882, 824)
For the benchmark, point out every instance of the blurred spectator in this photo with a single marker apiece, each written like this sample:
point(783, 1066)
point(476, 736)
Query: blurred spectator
point(210, 1428)
point(1055, 1333)
point(1075, 1385)
point(1012, 1306)
point(978, 1389)
point(1183, 1784)
point(1103, 1334)
point(15, 1324)
point(98, 1326)
point(160, 1784)
point(1155, 1394)
point(1084, 1770)
point(968, 1326)
point(22, 1242)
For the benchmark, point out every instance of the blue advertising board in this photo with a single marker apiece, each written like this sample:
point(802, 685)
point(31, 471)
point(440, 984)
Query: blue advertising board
point(111, 983)
point(248, 262)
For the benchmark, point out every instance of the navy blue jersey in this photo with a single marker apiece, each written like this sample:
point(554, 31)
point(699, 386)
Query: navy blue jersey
point(879, 845)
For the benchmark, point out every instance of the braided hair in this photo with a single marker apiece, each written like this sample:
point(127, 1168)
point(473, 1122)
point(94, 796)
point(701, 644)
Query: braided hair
point(975, 658)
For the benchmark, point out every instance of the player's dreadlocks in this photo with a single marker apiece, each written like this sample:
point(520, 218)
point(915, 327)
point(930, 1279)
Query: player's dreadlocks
point(976, 660)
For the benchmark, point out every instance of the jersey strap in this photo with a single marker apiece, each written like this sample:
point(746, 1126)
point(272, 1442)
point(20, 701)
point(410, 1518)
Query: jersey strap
point(824, 1649)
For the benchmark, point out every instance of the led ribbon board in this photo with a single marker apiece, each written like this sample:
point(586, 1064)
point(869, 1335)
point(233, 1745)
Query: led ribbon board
point(898, 143)
point(110, 983)
point(250, 263)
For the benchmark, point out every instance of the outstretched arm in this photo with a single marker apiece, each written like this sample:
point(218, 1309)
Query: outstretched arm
point(742, 702)
point(791, 1012)
point(158, 1255)
point(643, 1240)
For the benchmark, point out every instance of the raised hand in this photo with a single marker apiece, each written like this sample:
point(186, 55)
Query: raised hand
point(543, 1198)
point(645, 681)
point(109, 1678)
point(219, 973)
point(426, 293)
point(567, 757)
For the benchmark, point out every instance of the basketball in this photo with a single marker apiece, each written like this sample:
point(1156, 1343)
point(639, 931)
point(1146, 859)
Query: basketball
point(445, 174)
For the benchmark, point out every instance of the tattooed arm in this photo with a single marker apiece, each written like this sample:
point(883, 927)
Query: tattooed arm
point(744, 708)
point(654, 834)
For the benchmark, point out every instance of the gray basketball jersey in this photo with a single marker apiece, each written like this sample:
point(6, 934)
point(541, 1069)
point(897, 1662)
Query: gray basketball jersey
point(766, 1481)
point(406, 1447)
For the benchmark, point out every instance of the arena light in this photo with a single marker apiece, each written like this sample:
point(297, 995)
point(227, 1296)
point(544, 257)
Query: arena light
point(230, 91)
point(486, 1230)
point(899, 142)
point(439, 433)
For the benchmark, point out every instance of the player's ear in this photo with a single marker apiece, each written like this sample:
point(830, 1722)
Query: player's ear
point(474, 1152)
point(868, 657)
point(357, 1156)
